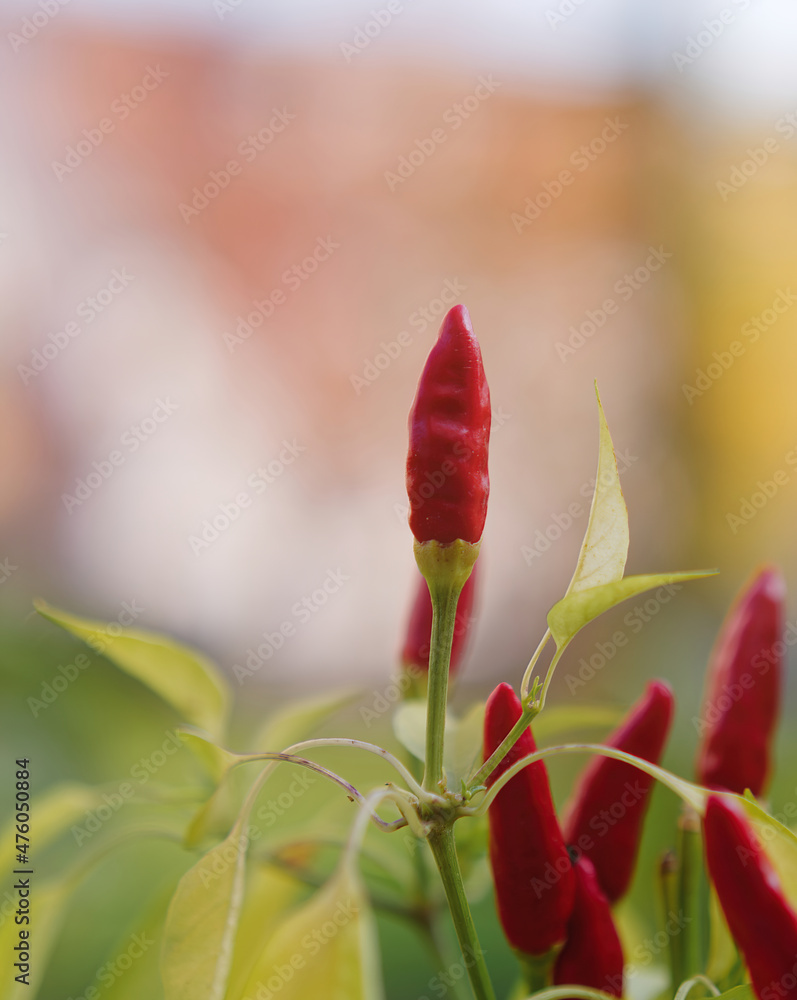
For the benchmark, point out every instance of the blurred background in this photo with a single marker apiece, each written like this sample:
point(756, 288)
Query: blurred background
point(228, 232)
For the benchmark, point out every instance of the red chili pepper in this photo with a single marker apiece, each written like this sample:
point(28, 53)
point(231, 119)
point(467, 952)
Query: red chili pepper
point(760, 919)
point(419, 629)
point(532, 871)
point(604, 820)
point(743, 690)
point(592, 955)
point(447, 479)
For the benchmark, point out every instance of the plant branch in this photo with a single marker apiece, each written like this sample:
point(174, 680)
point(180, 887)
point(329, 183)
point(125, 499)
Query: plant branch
point(562, 992)
point(445, 595)
point(339, 741)
point(444, 850)
point(524, 684)
point(687, 791)
point(503, 748)
point(686, 988)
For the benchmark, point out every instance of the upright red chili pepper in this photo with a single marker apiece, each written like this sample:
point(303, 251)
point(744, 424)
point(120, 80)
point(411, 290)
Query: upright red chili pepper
point(604, 820)
point(760, 919)
point(743, 690)
point(592, 955)
point(415, 653)
point(532, 872)
point(447, 479)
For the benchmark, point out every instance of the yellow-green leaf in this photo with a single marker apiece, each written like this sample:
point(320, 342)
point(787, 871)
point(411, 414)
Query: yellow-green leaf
point(722, 953)
point(55, 811)
point(296, 720)
point(142, 977)
point(48, 902)
point(779, 843)
point(777, 840)
point(214, 758)
point(738, 993)
point(289, 725)
point(463, 736)
point(605, 546)
point(182, 677)
point(221, 804)
point(557, 719)
point(202, 921)
point(568, 616)
point(409, 726)
point(464, 741)
point(328, 948)
point(212, 816)
point(270, 893)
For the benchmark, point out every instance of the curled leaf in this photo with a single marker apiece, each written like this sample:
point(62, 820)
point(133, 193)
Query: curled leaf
point(605, 546)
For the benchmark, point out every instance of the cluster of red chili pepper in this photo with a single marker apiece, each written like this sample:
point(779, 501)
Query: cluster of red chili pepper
point(556, 883)
point(740, 712)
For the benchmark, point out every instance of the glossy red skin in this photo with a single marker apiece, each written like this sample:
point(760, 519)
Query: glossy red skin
point(740, 709)
point(419, 628)
point(592, 955)
point(761, 921)
point(532, 873)
point(447, 480)
point(607, 810)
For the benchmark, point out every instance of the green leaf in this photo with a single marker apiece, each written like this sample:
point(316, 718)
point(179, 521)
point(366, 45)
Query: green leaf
point(409, 726)
point(289, 725)
point(558, 719)
point(463, 736)
point(295, 721)
point(269, 895)
point(568, 616)
point(738, 993)
point(182, 677)
point(779, 843)
point(204, 915)
point(464, 741)
point(214, 758)
point(142, 978)
point(212, 816)
point(48, 903)
point(221, 806)
point(633, 929)
point(722, 953)
point(55, 811)
point(328, 948)
point(605, 546)
point(198, 939)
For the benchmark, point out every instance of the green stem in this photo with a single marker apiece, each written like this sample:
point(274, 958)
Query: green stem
point(562, 992)
point(444, 850)
point(445, 594)
point(487, 768)
point(689, 793)
point(686, 988)
point(557, 656)
point(524, 684)
point(529, 714)
point(669, 873)
point(440, 951)
point(418, 858)
point(537, 970)
point(691, 893)
point(430, 927)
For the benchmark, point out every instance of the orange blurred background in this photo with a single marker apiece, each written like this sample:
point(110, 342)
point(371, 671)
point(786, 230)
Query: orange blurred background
point(230, 232)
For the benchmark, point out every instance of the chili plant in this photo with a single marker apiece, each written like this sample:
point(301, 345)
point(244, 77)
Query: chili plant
point(239, 923)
